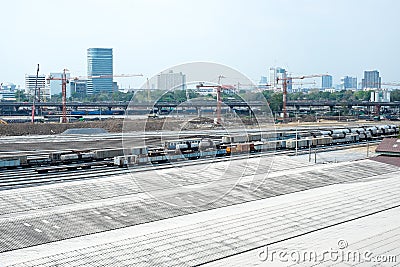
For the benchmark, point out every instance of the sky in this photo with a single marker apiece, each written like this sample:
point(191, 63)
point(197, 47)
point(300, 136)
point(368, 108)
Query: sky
point(338, 37)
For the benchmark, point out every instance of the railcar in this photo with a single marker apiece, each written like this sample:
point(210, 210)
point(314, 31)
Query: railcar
point(109, 153)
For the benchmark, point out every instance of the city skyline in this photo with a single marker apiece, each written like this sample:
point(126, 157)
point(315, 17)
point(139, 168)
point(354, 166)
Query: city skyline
point(251, 36)
point(324, 82)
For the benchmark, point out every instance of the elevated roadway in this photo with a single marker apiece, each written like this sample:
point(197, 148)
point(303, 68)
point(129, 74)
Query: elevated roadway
point(125, 105)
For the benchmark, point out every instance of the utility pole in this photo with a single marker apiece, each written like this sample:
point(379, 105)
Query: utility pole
point(34, 95)
point(315, 155)
point(284, 102)
point(219, 105)
point(297, 146)
point(219, 99)
point(309, 152)
point(64, 96)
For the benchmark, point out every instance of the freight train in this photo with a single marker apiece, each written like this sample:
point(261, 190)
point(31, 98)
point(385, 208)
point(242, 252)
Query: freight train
point(187, 149)
point(190, 149)
point(60, 157)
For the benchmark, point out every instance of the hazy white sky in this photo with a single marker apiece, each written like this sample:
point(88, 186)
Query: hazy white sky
point(339, 37)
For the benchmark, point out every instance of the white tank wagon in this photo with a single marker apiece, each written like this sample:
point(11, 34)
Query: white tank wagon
point(69, 157)
point(373, 130)
point(395, 127)
point(384, 128)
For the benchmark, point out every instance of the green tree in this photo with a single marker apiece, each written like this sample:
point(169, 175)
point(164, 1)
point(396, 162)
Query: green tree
point(275, 100)
point(21, 96)
point(395, 95)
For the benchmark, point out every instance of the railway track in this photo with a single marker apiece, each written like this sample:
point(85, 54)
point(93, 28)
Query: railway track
point(28, 177)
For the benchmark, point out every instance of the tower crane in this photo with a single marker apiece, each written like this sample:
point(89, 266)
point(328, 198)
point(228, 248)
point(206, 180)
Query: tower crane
point(65, 80)
point(395, 84)
point(262, 86)
point(219, 87)
point(219, 98)
point(285, 81)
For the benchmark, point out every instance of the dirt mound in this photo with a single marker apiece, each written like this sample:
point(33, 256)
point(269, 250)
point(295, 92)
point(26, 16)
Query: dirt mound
point(114, 126)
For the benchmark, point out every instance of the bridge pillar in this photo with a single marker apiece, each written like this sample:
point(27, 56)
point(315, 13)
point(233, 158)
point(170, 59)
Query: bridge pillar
point(331, 108)
point(350, 107)
point(109, 108)
point(377, 109)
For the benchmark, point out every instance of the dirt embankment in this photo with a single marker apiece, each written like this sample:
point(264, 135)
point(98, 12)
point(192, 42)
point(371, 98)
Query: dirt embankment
point(57, 128)
point(110, 125)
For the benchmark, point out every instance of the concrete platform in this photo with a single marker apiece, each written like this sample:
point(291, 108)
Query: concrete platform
point(233, 235)
point(215, 211)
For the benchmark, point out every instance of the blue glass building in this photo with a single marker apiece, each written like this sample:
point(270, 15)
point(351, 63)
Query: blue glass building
point(100, 63)
point(326, 82)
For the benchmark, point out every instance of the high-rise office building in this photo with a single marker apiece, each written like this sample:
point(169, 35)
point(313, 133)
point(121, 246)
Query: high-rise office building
point(30, 83)
point(371, 80)
point(348, 83)
point(326, 82)
point(171, 80)
point(100, 63)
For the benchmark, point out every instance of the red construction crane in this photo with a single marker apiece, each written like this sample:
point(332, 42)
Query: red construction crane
point(219, 88)
point(65, 80)
point(284, 87)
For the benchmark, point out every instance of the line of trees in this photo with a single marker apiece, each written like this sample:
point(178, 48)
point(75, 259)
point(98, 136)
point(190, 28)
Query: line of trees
point(344, 95)
point(395, 95)
point(275, 100)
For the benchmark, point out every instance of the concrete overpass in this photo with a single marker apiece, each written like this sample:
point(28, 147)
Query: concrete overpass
point(324, 103)
point(126, 105)
point(297, 104)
